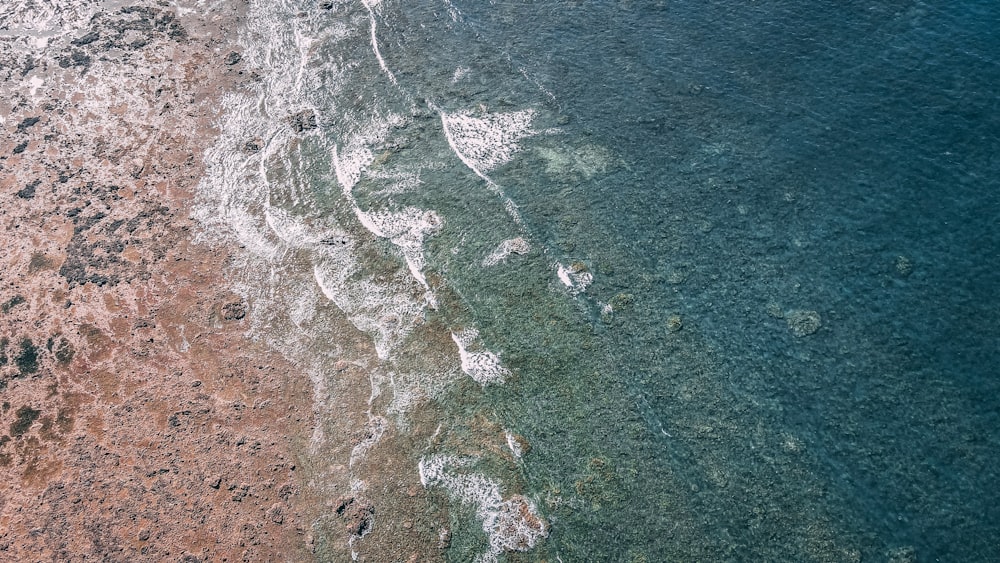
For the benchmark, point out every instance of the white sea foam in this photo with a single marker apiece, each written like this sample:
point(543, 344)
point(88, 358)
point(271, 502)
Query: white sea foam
point(262, 199)
point(376, 308)
point(410, 389)
point(395, 180)
point(350, 162)
point(575, 278)
point(548, 93)
point(489, 140)
point(372, 6)
point(407, 228)
point(511, 524)
point(513, 444)
point(486, 142)
point(236, 197)
point(511, 246)
point(453, 11)
point(479, 363)
point(19, 17)
point(460, 73)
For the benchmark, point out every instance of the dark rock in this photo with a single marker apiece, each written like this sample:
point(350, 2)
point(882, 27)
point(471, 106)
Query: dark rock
point(234, 311)
point(99, 261)
point(21, 147)
point(64, 351)
point(343, 503)
point(29, 65)
point(28, 192)
point(38, 262)
point(26, 416)
point(362, 521)
point(233, 58)
point(12, 302)
point(76, 58)
point(80, 58)
point(27, 359)
point(276, 513)
point(175, 419)
point(303, 121)
point(172, 26)
point(74, 269)
point(148, 13)
point(87, 222)
point(241, 492)
point(357, 514)
point(27, 122)
point(86, 39)
point(146, 215)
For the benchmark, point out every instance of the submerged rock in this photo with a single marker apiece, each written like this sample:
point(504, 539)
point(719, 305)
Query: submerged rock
point(803, 323)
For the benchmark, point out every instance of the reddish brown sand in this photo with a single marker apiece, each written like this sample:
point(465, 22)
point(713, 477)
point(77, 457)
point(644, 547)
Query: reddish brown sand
point(138, 422)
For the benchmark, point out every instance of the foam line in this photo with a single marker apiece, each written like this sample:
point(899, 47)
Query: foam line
point(544, 90)
point(302, 43)
point(405, 230)
point(508, 203)
point(483, 366)
point(378, 54)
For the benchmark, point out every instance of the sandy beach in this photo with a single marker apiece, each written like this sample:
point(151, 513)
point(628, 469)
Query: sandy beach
point(138, 422)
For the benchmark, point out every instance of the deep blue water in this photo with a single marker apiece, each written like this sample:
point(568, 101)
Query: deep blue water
point(837, 157)
point(789, 211)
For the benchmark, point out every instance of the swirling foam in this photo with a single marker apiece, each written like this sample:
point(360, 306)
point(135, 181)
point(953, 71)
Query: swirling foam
point(511, 524)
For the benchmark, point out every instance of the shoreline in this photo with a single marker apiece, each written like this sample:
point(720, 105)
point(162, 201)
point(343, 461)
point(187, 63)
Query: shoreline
point(161, 398)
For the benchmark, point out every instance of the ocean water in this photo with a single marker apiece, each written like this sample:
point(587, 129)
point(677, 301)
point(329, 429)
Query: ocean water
point(669, 281)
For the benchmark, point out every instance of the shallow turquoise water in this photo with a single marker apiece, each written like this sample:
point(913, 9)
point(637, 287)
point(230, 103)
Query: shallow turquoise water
point(758, 319)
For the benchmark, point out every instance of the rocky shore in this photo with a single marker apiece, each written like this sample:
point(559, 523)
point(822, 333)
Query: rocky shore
point(137, 421)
